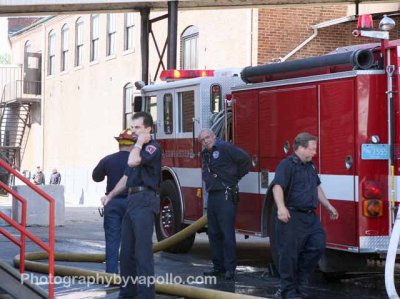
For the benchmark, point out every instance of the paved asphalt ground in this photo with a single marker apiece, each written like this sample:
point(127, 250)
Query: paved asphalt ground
point(83, 233)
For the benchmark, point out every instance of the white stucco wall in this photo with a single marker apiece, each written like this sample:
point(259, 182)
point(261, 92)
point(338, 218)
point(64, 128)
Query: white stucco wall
point(82, 108)
point(5, 47)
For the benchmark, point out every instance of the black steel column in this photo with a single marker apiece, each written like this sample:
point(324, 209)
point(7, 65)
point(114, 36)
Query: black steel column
point(172, 33)
point(144, 43)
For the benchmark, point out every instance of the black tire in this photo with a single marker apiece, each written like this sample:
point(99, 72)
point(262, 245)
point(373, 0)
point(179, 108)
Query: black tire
point(168, 222)
point(273, 238)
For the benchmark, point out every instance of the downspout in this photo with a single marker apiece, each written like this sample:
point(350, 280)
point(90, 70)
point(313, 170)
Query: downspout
point(315, 33)
point(251, 35)
point(42, 101)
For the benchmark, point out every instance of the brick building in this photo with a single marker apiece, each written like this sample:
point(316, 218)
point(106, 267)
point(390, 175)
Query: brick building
point(332, 25)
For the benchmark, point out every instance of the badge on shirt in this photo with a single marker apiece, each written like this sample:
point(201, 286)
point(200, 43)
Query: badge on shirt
point(215, 154)
point(150, 149)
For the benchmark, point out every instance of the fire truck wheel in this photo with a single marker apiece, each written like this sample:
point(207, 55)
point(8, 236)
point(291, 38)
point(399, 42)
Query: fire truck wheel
point(168, 221)
point(272, 236)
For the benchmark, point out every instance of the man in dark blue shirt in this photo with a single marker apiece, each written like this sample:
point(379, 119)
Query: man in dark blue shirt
point(113, 167)
point(223, 166)
point(142, 177)
point(300, 237)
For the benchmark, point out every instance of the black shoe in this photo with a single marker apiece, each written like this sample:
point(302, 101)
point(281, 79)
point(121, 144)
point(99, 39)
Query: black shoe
point(302, 292)
point(213, 273)
point(292, 294)
point(278, 294)
point(229, 275)
point(288, 295)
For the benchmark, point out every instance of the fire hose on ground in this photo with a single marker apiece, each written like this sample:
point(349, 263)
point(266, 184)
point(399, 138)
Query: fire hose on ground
point(391, 259)
point(103, 277)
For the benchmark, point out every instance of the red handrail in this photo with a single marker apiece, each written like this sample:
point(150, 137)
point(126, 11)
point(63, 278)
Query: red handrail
point(22, 227)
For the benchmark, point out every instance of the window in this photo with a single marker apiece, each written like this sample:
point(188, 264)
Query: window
point(111, 30)
point(129, 30)
point(28, 58)
point(128, 98)
point(168, 114)
point(52, 53)
point(186, 111)
point(189, 57)
point(27, 46)
point(215, 98)
point(151, 107)
point(64, 47)
point(79, 42)
point(94, 37)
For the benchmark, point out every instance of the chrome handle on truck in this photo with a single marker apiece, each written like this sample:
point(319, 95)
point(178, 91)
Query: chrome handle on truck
point(286, 147)
point(348, 162)
point(254, 160)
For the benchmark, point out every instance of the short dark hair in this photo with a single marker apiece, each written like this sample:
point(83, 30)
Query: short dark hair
point(147, 118)
point(302, 139)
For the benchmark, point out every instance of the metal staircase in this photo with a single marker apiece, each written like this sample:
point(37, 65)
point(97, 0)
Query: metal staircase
point(15, 118)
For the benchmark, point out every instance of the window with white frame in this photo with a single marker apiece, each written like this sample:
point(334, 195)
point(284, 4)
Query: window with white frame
point(128, 99)
point(64, 47)
point(52, 53)
point(129, 30)
point(94, 38)
point(189, 57)
point(111, 31)
point(79, 42)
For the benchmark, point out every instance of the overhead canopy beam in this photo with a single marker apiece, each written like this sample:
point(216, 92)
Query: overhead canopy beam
point(31, 7)
point(55, 7)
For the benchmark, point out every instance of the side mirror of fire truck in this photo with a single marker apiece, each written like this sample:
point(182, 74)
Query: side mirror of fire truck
point(137, 104)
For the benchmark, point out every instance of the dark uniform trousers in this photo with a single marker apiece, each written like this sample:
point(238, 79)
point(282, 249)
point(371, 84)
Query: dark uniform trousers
point(114, 212)
point(221, 214)
point(301, 243)
point(136, 246)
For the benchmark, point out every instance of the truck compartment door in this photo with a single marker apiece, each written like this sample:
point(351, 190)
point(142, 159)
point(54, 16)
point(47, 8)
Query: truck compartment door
point(336, 143)
point(245, 135)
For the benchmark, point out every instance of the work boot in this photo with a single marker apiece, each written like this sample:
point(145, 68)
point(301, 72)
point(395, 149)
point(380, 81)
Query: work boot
point(292, 294)
point(302, 292)
point(286, 295)
point(302, 288)
point(214, 273)
point(229, 275)
point(278, 294)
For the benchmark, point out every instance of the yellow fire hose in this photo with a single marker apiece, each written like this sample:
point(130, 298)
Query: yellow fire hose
point(102, 277)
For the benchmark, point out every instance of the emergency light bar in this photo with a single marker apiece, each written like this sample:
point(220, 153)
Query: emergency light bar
point(185, 74)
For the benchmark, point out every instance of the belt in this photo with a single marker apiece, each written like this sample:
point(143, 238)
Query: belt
point(132, 190)
point(307, 211)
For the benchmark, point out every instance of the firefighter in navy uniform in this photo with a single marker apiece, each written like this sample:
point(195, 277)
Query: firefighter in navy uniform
point(223, 165)
point(300, 237)
point(113, 167)
point(142, 178)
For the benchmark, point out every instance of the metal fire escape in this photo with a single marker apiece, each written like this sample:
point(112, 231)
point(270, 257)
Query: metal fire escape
point(15, 118)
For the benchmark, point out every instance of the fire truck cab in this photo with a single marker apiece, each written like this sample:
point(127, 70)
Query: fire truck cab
point(180, 109)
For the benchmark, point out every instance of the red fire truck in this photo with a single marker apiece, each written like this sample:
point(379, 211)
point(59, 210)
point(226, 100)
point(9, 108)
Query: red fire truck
point(348, 99)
